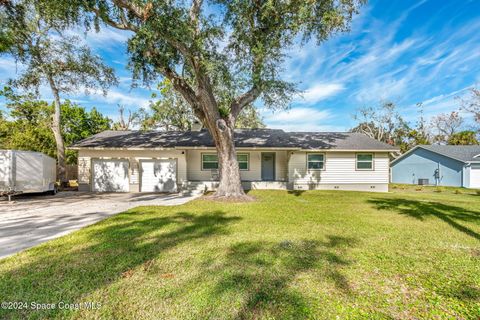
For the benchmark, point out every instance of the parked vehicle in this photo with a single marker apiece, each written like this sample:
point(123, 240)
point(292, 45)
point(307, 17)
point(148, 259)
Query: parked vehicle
point(26, 172)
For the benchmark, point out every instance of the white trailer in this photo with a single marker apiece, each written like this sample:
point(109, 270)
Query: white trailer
point(26, 172)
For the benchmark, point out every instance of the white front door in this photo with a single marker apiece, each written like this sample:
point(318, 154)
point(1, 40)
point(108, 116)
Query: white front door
point(110, 175)
point(159, 175)
point(475, 175)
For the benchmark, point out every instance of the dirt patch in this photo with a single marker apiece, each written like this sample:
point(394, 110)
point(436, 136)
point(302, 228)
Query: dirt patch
point(242, 199)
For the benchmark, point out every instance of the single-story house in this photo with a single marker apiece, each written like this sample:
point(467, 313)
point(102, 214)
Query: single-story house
point(155, 161)
point(456, 166)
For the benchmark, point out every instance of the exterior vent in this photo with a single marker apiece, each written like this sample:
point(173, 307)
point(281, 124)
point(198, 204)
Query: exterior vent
point(372, 187)
point(299, 187)
point(423, 182)
point(197, 125)
point(336, 187)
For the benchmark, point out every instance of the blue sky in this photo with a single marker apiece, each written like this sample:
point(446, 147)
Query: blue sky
point(402, 51)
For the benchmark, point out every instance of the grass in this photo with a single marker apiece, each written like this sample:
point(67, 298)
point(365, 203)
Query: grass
point(408, 188)
point(289, 255)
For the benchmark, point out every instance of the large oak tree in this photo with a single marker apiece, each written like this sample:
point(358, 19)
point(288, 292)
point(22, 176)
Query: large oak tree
point(220, 55)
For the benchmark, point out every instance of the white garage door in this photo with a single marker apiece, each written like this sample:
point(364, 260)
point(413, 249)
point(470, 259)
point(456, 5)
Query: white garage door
point(110, 175)
point(159, 175)
point(475, 175)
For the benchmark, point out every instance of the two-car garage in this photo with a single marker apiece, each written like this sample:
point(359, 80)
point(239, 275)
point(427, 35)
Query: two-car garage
point(113, 175)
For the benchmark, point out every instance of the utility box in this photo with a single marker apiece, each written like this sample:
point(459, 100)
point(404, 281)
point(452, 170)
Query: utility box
point(26, 172)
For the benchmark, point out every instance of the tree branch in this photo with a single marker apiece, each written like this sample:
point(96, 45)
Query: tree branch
point(124, 25)
point(181, 85)
point(195, 13)
point(243, 100)
point(136, 10)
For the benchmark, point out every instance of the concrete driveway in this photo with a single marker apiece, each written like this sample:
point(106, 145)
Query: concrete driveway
point(32, 219)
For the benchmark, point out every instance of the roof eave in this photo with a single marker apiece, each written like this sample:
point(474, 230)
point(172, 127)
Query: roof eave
point(116, 148)
point(77, 148)
point(351, 150)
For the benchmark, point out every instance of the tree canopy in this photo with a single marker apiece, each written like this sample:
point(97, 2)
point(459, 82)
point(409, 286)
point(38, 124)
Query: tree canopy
point(383, 123)
point(27, 126)
point(467, 137)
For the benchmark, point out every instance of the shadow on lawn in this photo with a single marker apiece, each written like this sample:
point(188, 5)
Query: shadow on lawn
point(422, 209)
point(296, 193)
point(64, 273)
point(263, 275)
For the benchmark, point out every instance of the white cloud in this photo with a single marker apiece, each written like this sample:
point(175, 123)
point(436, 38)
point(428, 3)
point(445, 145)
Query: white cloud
point(377, 62)
point(445, 96)
point(443, 103)
point(378, 91)
point(108, 35)
point(8, 66)
point(321, 91)
point(127, 99)
point(300, 119)
point(105, 37)
point(309, 127)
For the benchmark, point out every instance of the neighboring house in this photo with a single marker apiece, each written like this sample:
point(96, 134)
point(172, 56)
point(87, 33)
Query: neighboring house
point(457, 166)
point(155, 161)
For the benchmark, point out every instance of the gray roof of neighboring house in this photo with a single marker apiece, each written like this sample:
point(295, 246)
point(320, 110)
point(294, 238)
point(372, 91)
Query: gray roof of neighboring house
point(461, 153)
point(244, 138)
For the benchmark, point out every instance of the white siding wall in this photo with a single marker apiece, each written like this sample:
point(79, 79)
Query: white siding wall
point(474, 176)
point(466, 177)
point(340, 168)
point(134, 156)
point(195, 173)
point(290, 168)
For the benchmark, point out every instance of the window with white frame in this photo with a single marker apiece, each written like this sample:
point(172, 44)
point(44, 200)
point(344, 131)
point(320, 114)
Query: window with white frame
point(242, 159)
point(364, 161)
point(210, 161)
point(315, 161)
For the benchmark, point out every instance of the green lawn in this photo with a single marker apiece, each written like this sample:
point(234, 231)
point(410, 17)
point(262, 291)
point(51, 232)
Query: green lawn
point(307, 255)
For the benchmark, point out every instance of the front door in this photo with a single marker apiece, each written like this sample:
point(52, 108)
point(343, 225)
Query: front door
point(268, 166)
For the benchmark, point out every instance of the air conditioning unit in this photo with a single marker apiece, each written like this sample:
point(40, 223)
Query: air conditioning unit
point(423, 182)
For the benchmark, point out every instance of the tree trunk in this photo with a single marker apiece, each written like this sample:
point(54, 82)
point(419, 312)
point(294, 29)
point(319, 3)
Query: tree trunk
point(230, 183)
point(56, 128)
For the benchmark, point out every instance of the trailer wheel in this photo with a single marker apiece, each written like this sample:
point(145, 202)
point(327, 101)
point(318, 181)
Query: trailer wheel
point(54, 190)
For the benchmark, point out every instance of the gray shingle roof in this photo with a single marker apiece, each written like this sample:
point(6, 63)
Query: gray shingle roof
point(462, 153)
point(244, 138)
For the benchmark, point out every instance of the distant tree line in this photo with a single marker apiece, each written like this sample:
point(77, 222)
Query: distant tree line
point(386, 124)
